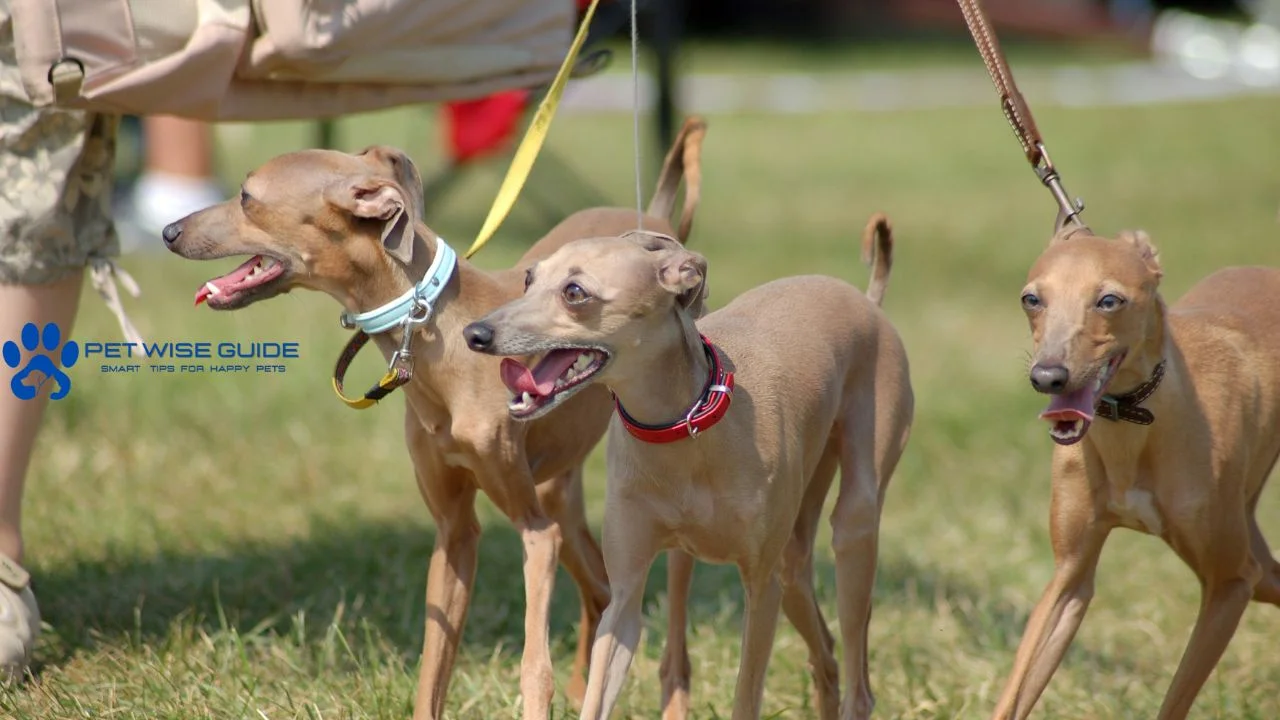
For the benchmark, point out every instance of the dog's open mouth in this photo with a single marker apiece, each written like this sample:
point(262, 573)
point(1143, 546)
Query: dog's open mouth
point(554, 378)
point(1071, 413)
point(232, 289)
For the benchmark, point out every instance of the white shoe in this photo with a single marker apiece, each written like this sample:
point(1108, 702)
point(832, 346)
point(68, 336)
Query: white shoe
point(19, 620)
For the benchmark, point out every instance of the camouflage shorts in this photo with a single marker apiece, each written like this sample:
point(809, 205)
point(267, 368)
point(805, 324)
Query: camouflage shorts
point(56, 171)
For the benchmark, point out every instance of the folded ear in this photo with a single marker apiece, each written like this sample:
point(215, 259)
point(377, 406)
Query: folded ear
point(379, 199)
point(1141, 242)
point(684, 274)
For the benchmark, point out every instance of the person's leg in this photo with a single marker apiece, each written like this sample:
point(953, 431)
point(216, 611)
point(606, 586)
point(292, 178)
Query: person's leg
point(177, 179)
point(55, 218)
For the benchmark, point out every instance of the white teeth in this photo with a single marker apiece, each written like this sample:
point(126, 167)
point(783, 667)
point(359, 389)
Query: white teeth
point(213, 289)
point(583, 362)
point(1076, 429)
point(526, 399)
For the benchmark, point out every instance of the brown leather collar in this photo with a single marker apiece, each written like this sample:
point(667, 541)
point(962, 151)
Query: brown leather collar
point(1127, 407)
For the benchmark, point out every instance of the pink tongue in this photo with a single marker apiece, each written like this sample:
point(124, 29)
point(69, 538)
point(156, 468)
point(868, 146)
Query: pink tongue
point(1071, 406)
point(542, 379)
point(231, 278)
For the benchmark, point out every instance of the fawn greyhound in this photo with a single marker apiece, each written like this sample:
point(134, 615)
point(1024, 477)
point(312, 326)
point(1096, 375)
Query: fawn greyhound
point(818, 379)
point(1189, 401)
point(351, 226)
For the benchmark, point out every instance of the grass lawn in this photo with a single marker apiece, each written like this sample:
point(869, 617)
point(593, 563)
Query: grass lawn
point(247, 547)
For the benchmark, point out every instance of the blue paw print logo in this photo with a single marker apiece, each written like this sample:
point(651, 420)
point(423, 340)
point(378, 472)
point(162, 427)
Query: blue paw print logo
point(40, 362)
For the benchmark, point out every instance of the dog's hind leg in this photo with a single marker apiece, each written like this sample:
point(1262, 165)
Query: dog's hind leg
point(561, 498)
point(675, 670)
point(855, 524)
point(1228, 574)
point(798, 601)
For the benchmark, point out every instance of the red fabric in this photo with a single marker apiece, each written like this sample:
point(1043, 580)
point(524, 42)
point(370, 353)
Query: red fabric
point(707, 412)
point(479, 127)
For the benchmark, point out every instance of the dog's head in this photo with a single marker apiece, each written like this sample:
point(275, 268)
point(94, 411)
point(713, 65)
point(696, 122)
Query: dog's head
point(588, 311)
point(1090, 302)
point(318, 219)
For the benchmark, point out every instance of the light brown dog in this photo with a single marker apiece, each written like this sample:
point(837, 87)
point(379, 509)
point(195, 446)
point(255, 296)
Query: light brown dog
point(351, 226)
point(819, 381)
point(1196, 390)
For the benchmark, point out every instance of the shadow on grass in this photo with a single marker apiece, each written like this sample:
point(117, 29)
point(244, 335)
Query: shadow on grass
point(374, 573)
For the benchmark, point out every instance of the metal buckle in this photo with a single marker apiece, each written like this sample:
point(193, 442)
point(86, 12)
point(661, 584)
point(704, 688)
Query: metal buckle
point(688, 421)
point(346, 323)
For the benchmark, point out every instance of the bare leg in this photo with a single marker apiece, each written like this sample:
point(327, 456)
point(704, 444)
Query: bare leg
point(55, 302)
point(675, 669)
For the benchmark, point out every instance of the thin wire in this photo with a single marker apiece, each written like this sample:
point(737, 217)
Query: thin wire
point(635, 112)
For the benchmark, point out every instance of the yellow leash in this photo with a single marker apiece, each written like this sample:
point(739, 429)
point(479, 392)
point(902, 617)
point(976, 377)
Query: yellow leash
point(531, 144)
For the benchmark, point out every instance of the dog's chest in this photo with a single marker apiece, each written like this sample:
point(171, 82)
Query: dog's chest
point(1136, 509)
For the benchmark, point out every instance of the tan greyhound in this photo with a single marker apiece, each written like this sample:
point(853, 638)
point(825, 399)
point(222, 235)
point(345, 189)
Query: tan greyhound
point(350, 226)
point(1167, 421)
point(787, 382)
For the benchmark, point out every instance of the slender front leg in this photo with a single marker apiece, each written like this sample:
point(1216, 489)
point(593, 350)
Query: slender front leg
point(561, 498)
point(675, 669)
point(1077, 536)
point(630, 546)
point(449, 582)
point(541, 539)
point(760, 623)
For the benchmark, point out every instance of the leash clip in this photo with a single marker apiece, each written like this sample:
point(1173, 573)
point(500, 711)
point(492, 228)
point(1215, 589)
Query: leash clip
point(402, 359)
point(1068, 211)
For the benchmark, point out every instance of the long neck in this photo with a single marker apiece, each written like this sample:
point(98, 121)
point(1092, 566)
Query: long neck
point(671, 379)
point(1145, 356)
point(369, 292)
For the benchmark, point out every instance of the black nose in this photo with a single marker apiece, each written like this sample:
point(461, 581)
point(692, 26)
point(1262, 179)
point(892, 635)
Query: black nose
point(171, 232)
point(1050, 379)
point(479, 336)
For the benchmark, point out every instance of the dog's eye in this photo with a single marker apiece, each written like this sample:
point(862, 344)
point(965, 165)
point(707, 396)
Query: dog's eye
point(574, 294)
point(1110, 302)
point(1030, 301)
point(244, 198)
point(528, 278)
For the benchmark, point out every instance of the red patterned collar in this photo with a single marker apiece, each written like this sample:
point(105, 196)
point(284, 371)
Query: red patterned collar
point(706, 411)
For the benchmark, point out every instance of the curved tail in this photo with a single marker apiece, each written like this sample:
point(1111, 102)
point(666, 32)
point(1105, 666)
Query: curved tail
point(877, 253)
point(683, 162)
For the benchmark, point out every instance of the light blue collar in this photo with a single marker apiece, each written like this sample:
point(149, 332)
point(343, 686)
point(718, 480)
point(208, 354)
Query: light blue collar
point(417, 304)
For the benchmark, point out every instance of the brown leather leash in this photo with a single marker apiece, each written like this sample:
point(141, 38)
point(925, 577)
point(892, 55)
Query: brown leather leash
point(1018, 113)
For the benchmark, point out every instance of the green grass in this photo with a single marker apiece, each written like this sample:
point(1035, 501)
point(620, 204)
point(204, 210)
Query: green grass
point(210, 547)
